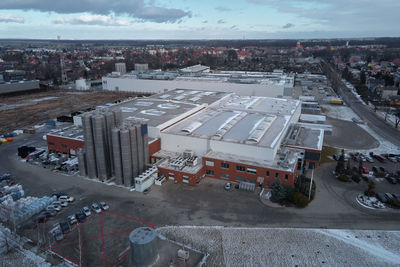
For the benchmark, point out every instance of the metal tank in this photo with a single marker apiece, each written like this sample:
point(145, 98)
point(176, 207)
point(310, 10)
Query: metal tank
point(126, 157)
point(98, 123)
point(145, 144)
point(116, 150)
point(110, 124)
point(140, 151)
point(134, 147)
point(89, 146)
point(143, 243)
point(118, 117)
point(81, 162)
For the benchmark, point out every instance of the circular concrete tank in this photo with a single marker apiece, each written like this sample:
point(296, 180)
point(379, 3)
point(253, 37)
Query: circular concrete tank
point(143, 242)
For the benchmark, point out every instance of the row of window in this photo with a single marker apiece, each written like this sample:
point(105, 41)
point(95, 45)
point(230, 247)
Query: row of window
point(63, 145)
point(240, 168)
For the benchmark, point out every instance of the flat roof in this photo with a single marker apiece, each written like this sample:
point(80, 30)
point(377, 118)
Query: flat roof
point(71, 132)
point(305, 137)
point(160, 108)
point(251, 120)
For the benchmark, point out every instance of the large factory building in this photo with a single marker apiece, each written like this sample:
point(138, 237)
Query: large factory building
point(270, 84)
point(189, 134)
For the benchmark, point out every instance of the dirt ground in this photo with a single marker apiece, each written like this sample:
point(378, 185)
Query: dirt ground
point(18, 111)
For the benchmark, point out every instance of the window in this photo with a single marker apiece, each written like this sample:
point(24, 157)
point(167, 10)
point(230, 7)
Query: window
point(240, 179)
point(277, 175)
point(267, 173)
point(251, 170)
point(251, 181)
point(286, 176)
point(51, 143)
point(64, 145)
point(224, 165)
point(210, 172)
point(171, 175)
point(209, 163)
point(240, 168)
point(224, 176)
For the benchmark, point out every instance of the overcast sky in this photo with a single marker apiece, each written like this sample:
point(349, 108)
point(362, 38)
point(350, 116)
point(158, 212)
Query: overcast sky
point(195, 19)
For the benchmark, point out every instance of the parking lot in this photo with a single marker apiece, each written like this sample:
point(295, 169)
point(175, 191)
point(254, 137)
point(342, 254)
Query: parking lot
point(207, 203)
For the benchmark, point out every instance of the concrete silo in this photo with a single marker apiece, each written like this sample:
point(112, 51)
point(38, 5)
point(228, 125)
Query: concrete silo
point(143, 243)
point(89, 146)
point(116, 151)
point(81, 162)
point(98, 124)
point(126, 157)
point(134, 145)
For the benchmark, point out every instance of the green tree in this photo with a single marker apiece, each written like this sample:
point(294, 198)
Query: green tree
point(371, 189)
point(278, 192)
point(340, 164)
point(360, 167)
point(363, 77)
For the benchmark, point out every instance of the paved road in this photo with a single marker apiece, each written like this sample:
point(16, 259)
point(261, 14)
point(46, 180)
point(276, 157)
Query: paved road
point(207, 203)
point(384, 130)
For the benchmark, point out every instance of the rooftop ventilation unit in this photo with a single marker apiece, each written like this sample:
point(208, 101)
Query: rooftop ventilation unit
point(192, 161)
point(153, 112)
point(179, 163)
point(188, 154)
point(143, 103)
point(260, 128)
point(191, 127)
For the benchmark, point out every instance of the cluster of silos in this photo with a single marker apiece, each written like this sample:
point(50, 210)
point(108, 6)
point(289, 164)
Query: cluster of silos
point(130, 151)
point(96, 160)
point(113, 148)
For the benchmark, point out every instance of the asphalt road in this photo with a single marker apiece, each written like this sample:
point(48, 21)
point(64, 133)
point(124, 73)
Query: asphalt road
point(384, 130)
point(207, 203)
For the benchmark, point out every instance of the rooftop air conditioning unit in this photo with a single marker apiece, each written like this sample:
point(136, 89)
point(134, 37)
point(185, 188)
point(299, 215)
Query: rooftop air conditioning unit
point(188, 153)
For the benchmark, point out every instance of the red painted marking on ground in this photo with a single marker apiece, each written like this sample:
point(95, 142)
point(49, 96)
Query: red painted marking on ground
point(122, 257)
point(120, 232)
point(133, 219)
point(102, 240)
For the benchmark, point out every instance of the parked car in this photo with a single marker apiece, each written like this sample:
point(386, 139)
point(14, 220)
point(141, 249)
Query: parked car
point(95, 208)
point(382, 169)
point(60, 203)
point(365, 170)
point(381, 197)
point(54, 207)
point(369, 159)
point(336, 157)
point(66, 198)
point(388, 196)
point(56, 232)
point(50, 213)
point(227, 186)
point(64, 227)
point(397, 196)
point(86, 211)
point(72, 219)
point(57, 194)
point(104, 206)
point(80, 216)
point(375, 169)
point(392, 159)
point(146, 191)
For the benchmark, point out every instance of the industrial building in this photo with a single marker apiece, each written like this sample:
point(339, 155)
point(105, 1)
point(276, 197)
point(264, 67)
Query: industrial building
point(186, 135)
point(200, 78)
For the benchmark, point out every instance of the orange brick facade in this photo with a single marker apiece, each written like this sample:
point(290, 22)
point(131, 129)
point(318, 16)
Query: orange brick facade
point(181, 177)
point(63, 145)
point(154, 147)
point(237, 172)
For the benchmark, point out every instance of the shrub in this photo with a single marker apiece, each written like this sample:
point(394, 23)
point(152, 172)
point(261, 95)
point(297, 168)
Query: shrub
point(370, 190)
point(343, 178)
point(298, 199)
point(356, 178)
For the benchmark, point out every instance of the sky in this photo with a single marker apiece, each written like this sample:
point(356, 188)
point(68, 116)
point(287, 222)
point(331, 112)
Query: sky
point(194, 19)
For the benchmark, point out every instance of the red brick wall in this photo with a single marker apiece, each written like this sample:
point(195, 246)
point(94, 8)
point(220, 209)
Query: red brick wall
point(62, 144)
point(154, 147)
point(260, 172)
point(178, 175)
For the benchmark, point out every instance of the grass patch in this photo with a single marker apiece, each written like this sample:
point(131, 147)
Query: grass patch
point(327, 152)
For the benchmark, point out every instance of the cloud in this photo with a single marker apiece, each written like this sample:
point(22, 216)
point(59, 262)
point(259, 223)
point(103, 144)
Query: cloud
point(223, 9)
point(134, 8)
point(233, 27)
point(8, 18)
point(204, 21)
point(221, 21)
point(340, 14)
point(287, 26)
point(88, 19)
